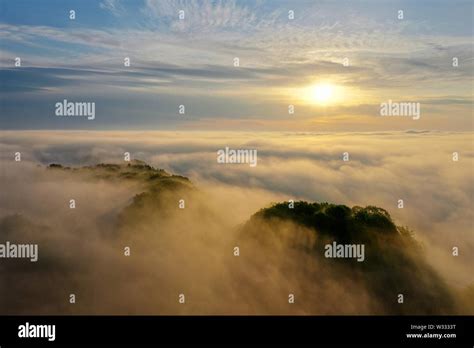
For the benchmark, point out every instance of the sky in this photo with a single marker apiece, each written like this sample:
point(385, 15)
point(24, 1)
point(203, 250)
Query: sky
point(358, 53)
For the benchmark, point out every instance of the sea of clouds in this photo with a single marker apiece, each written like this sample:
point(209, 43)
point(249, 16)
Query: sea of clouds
point(383, 167)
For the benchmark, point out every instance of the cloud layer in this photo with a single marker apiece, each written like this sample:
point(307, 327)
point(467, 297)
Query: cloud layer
point(382, 168)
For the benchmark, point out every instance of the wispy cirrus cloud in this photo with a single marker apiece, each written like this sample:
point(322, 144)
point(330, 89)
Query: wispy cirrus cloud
point(114, 6)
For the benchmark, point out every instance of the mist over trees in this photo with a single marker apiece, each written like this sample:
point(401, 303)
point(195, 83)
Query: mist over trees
point(169, 241)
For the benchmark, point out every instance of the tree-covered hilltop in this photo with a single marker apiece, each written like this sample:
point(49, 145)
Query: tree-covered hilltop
point(135, 170)
point(338, 221)
point(394, 261)
point(158, 196)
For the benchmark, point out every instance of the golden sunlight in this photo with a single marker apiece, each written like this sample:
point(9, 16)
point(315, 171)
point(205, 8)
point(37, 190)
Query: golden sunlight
point(321, 93)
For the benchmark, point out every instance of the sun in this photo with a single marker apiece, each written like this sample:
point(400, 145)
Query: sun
point(322, 93)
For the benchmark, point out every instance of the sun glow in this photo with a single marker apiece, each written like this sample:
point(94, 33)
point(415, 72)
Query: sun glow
point(324, 94)
point(320, 94)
